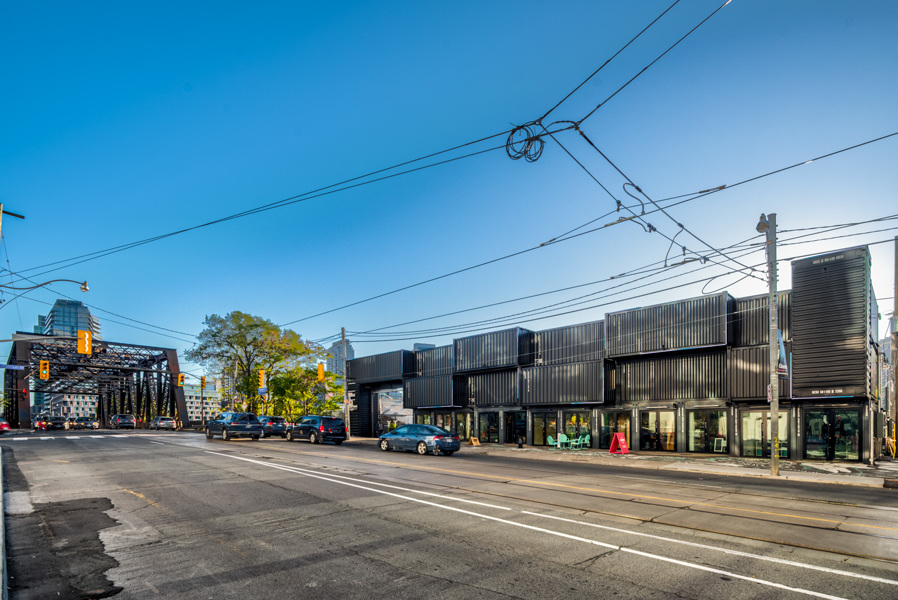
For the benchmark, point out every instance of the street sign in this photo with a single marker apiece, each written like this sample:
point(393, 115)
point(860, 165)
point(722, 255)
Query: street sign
point(13, 367)
point(263, 391)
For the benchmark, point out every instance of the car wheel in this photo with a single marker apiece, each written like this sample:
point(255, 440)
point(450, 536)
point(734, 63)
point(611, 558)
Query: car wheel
point(448, 452)
point(255, 438)
point(338, 442)
point(313, 438)
point(289, 436)
point(208, 433)
point(224, 434)
point(422, 448)
point(384, 445)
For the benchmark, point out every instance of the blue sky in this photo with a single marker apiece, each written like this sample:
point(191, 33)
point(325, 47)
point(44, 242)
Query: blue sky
point(126, 121)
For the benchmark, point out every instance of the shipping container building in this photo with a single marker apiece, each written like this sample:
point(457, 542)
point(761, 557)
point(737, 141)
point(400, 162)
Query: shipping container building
point(434, 362)
point(580, 343)
point(751, 319)
point(428, 392)
point(389, 366)
point(495, 388)
point(568, 383)
point(681, 325)
point(681, 376)
point(494, 350)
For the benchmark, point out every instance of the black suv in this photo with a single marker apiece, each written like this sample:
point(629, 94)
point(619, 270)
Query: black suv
point(318, 429)
point(273, 426)
point(234, 424)
point(122, 422)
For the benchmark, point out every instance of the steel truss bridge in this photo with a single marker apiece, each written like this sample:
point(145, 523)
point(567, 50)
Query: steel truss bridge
point(121, 378)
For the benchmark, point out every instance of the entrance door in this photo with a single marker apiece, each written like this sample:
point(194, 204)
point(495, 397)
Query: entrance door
point(756, 433)
point(515, 426)
point(832, 434)
point(657, 430)
point(614, 422)
point(489, 427)
point(545, 424)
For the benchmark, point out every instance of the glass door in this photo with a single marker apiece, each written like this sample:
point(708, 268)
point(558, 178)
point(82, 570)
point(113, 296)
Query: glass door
point(611, 423)
point(515, 427)
point(657, 431)
point(489, 427)
point(545, 425)
point(832, 434)
point(756, 433)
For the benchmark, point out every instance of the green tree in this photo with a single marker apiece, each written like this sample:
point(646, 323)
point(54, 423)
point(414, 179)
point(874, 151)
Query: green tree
point(297, 392)
point(251, 343)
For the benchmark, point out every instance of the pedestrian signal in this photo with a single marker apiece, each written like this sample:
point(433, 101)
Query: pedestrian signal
point(45, 369)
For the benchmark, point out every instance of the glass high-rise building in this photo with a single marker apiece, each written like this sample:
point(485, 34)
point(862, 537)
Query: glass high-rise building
point(66, 318)
point(335, 358)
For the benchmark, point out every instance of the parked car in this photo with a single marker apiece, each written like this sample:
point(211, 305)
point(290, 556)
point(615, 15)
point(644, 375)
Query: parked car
point(47, 423)
point(163, 423)
point(70, 422)
point(4, 426)
point(124, 421)
point(86, 423)
point(234, 424)
point(273, 426)
point(317, 429)
point(421, 439)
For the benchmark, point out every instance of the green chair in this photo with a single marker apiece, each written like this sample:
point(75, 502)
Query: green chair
point(550, 440)
point(563, 441)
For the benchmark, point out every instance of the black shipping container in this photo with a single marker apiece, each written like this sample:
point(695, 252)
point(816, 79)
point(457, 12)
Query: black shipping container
point(494, 350)
point(681, 325)
point(572, 344)
point(831, 321)
point(434, 361)
point(671, 377)
point(496, 388)
point(572, 383)
point(389, 366)
point(428, 392)
point(748, 373)
point(751, 319)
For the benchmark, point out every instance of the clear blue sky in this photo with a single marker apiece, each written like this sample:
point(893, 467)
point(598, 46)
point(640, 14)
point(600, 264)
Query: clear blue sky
point(126, 121)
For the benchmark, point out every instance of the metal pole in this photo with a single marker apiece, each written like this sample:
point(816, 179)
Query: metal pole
point(345, 395)
point(893, 393)
point(774, 348)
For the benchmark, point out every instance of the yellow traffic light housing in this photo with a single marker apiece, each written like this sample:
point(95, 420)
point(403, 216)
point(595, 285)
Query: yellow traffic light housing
point(261, 378)
point(320, 371)
point(180, 379)
point(203, 382)
point(85, 343)
point(45, 369)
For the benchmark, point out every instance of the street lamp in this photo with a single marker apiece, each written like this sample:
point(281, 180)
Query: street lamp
point(84, 287)
point(767, 224)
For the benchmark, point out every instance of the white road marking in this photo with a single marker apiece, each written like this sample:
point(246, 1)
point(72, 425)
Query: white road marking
point(534, 528)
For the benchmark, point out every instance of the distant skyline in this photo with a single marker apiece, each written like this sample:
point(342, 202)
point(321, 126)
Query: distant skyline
point(124, 124)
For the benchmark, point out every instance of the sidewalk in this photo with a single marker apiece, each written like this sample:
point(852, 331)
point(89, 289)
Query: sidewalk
point(883, 474)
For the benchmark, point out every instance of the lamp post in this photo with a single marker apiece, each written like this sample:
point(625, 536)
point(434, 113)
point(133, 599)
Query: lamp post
point(767, 224)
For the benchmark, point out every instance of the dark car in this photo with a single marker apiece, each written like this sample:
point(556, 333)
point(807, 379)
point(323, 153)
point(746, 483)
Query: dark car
point(123, 421)
point(318, 429)
point(421, 439)
point(273, 426)
point(86, 423)
point(234, 424)
point(48, 423)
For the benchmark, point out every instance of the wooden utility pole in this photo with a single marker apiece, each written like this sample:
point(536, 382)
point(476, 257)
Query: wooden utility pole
point(346, 406)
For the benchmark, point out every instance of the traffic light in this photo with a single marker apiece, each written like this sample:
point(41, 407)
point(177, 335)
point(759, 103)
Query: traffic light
point(180, 379)
point(45, 369)
point(85, 344)
point(320, 371)
point(261, 378)
point(203, 382)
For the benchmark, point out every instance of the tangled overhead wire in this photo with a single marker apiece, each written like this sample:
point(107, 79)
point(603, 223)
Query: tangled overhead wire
point(522, 143)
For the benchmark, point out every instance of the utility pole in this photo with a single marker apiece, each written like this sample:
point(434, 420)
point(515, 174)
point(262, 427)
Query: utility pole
point(345, 392)
point(893, 368)
point(768, 224)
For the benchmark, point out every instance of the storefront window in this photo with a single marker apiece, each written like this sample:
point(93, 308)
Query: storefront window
point(515, 426)
point(708, 431)
point(832, 434)
point(443, 420)
point(611, 423)
point(422, 419)
point(657, 431)
point(489, 427)
point(544, 426)
point(463, 422)
point(756, 433)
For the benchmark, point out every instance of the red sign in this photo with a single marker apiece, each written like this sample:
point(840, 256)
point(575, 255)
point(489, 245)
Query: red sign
point(619, 444)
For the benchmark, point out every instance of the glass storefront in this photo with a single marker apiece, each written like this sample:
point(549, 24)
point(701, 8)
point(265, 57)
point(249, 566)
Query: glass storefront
point(463, 425)
point(545, 424)
point(658, 431)
point(423, 419)
point(576, 424)
point(443, 419)
point(832, 434)
point(515, 426)
point(611, 423)
point(489, 427)
point(707, 431)
point(756, 433)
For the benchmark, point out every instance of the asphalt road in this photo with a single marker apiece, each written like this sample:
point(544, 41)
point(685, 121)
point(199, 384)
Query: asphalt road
point(173, 515)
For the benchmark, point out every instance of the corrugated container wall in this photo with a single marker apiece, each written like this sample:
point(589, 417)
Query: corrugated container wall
point(434, 361)
point(671, 377)
point(830, 321)
point(389, 366)
point(497, 388)
point(751, 319)
point(748, 373)
point(494, 350)
point(681, 325)
point(572, 383)
point(424, 392)
point(572, 344)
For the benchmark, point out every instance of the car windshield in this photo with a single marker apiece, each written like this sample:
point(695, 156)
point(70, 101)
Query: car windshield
point(332, 422)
